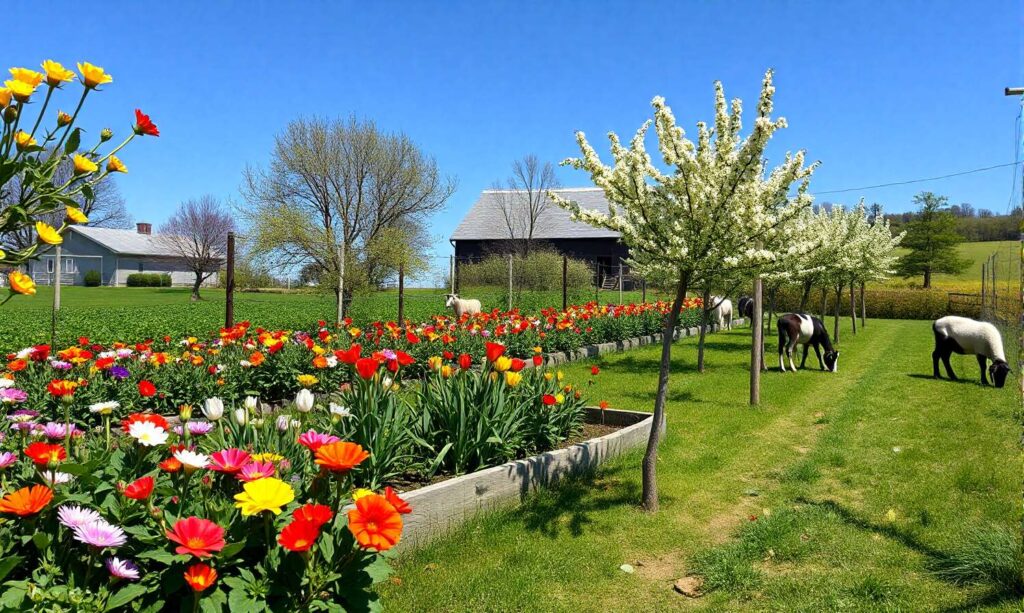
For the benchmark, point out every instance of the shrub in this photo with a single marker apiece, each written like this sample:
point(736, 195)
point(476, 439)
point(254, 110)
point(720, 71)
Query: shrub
point(881, 303)
point(92, 278)
point(149, 279)
point(541, 270)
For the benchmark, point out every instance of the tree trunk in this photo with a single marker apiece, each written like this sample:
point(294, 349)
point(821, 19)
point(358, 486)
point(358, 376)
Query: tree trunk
point(927, 278)
point(756, 345)
point(863, 309)
point(705, 321)
point(195, 287)
point(824, 302)
point(853, 308)
point(805, 297)
point(835, 326)
point(649, 466)
point(771, 308)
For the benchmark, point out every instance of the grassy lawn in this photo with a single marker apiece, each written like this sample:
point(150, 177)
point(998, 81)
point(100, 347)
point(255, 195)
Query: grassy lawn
point(864, 484)
point(1007, 267)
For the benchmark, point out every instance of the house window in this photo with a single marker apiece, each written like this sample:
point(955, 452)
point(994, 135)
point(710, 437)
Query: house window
point(140, 266)
point(69, 265)
point(49, 266)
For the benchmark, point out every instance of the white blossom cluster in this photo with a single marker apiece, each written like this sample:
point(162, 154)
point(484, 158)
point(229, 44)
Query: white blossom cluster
point(719, 211)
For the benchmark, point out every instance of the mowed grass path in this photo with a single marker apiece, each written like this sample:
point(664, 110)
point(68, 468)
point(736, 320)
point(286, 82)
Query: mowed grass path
point(861, 482)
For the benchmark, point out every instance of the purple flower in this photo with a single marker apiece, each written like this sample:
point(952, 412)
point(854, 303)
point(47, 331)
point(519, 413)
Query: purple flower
point(22, 415)
point(123, 569)
point(61, 365)
point(119, 372)
point(196, 428)
point(75, 516)
point(12, 395)
point(100, 534)
point(56, 431)
point(7, 458)
point(389, 354)
point(124, 353)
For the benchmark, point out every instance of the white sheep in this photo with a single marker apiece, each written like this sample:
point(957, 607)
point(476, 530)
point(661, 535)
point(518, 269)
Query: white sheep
point(969, 337)
point(461, 305)
point(721, 313)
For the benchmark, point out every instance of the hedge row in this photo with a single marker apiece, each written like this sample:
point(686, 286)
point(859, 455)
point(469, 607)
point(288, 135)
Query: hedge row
point(146, 279)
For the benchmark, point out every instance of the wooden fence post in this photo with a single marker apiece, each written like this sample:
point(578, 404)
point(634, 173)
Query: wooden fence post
point(229, 283)
point(401, 293)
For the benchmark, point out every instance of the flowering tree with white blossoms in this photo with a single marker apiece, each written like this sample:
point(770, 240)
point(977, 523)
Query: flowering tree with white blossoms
point(878, 256)
point(719, 208)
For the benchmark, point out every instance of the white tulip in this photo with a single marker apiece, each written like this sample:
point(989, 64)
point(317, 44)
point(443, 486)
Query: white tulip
point(304, 401)
point(339, 411)
point(283, 422)
point(213, 408)
point(241, 416)
point(251, 402)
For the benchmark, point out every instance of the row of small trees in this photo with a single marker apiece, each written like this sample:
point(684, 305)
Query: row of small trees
point(714, 214)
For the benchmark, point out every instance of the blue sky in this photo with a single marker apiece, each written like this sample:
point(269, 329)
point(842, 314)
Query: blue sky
point(878, 91)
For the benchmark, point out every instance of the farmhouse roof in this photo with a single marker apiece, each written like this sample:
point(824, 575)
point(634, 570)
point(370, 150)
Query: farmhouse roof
point(485, 220)
point(128, 242)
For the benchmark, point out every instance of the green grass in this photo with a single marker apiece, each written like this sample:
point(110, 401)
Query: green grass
point(820, 465)
point(1007, 267)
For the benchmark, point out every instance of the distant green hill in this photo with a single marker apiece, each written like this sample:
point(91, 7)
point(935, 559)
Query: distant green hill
point(1007, 267)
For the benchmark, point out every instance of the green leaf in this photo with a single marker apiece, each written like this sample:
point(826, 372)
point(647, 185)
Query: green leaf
point(125, 595)
point(87, 192)
point(239, 600)
point(379, 569)
point(41, 540)
point(162, 556)
point(14, 596)
point(327, 548)
point(74, 140)
point(8, 564)
point(232, 550)
point(214, 601)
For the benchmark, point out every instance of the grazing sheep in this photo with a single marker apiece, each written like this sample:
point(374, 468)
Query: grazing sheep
point(461, 305)
point(803, 329)
point(969, 337)
point(745, 307)
point(721, 312)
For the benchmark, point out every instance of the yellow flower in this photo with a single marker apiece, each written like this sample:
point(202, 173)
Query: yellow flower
point(24, 140)
point(63, 119)
point(503, 363)
point(20, 90)
point(21, 283)
point(75, 215)
point(27, 76)
point(317, 349)
point(537, 349)
point(56, 73)
point(5, 97)
point(360, 493)
point(48, 234)
point(560, 375)
point(494, 376)
point(114, 164)
point(512, 379)
point(268, 494)
point(434, 362)
point(559, 398)
point(93, 75)
point(354, 332)
point(548, 376)
point(447, 371)
point(84, 165)
point(308, 380)
point(267, 457)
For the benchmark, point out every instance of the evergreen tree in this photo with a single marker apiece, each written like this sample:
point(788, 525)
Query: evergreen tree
point(932, 239)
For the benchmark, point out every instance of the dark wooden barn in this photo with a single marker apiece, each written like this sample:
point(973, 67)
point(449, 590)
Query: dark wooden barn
point(485, 231)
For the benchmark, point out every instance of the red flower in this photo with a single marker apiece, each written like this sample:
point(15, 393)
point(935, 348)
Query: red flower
point(400, 505)
point(548, 399)
point(594, 370)
point(144, 125)
point(603, 404)
point(318, 514)
point(465, 361)
point(146, 388)
point(412, 338)
point(366, 367)
point(494, 351)
point(44, 454)
point(538, 360)
point(170, 465)
point(61, 388)
point(196, 536)
point(350, 355)
point(299, 535)
point(375, 523)
point(140, 489)
point(153, 418)
point(200, 576)
point(517, 365)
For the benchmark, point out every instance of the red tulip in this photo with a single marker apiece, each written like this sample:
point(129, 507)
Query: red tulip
point(494, 351)
point(465, 361)
point(366, 367)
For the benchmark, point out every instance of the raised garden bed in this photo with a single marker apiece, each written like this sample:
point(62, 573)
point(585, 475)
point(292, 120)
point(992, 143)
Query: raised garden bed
point(442, 506)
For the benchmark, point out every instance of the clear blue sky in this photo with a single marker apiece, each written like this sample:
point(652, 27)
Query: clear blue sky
point(878, 91)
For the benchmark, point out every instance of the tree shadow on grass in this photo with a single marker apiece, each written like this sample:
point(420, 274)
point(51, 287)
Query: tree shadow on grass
point(570, 504)
point(934, 558)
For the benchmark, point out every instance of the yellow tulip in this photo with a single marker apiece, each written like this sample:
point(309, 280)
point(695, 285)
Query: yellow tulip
point(28, 76)
point(48, 234)
point(503, 363)
point(513, 379)
point(93, 75)
point(21, 283)
point(84, 165)
point(56, 73)
point(74, 214)
point(559, 398)
point(447, 371)
point(434, 362)
point(560, 375)
point(23, 140)
point(308, 380)
point(5, 97)
point(267, 494)
point(20, 90)
point(114, 164)
point(63, 119)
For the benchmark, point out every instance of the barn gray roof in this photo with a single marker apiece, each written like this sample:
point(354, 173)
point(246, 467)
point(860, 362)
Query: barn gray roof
point(485, 220)
point(128, 242)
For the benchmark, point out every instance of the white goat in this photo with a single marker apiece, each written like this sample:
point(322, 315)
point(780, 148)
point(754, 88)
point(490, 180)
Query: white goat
point(461, 305)
point(969, 337)
point(721, 314)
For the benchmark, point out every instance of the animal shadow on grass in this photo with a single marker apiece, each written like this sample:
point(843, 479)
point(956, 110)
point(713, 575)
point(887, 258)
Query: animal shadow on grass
point(960, 380)
point(569, 504)
point(945, 566)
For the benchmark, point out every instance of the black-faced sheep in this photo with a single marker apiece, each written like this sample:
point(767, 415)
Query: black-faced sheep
point(969, 337)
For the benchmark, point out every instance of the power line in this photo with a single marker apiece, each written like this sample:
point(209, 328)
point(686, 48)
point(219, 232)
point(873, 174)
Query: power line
point(955, 174)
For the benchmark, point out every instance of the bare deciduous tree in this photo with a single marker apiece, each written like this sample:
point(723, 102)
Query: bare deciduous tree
point(339, 180)
point(523, 198)
point(198, 233)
